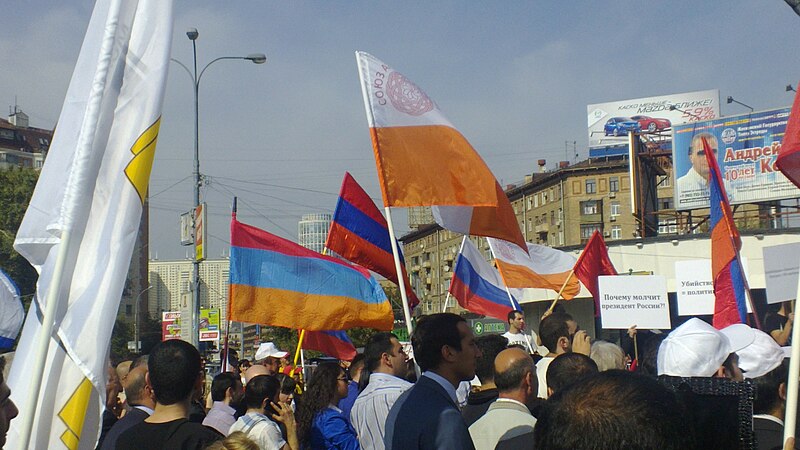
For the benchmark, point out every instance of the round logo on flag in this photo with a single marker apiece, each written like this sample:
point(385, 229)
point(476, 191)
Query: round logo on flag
point(406, 96)
point(503, 248)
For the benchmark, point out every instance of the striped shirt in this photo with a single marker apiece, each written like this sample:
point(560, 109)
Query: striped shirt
point(261, 430)
point(372, 406)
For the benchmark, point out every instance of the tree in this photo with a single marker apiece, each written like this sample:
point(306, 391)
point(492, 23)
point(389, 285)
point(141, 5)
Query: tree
point(16, 189)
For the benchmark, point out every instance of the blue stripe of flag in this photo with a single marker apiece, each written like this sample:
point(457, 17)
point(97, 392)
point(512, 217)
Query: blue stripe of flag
point(353, 219)
point(478, 285)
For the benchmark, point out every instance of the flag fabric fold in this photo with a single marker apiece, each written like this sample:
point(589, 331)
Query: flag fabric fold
point(592, 263)
point(478, 287)
point(542, 267)
point(89, 198)
point(788, 161)
point(333, 343)
point(423, 160)
point(360, 234)
point(11, 313)
point(729, 297)
point(276, 282)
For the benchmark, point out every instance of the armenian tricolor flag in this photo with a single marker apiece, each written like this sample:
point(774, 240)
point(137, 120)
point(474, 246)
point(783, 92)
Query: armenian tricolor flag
point(726, 269)
point(360, 234)
point(276, 282)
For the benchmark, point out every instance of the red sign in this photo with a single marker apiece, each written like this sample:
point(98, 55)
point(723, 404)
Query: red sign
point(170, 325)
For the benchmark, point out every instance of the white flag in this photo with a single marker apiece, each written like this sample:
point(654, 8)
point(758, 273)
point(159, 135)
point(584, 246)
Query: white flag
point(11, 312)
point(89, 197)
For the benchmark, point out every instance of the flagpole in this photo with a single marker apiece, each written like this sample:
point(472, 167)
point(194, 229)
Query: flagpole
point(560, 291)
point(514, 304)
point(790, 421)
point(401, 282)
point(85, 143)
point(228, 314)
point(299, 347)
point(460, 249)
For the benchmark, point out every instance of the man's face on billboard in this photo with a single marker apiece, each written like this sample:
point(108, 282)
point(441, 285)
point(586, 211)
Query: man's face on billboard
point(698, 156)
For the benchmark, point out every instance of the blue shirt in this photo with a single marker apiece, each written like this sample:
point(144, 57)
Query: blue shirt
point(346, 404)
point(331, 430)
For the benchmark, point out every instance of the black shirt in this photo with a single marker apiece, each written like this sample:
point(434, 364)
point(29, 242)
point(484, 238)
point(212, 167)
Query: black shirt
point(178, 435)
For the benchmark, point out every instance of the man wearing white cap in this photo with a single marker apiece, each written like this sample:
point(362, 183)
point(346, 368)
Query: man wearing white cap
point(696, 349)
point(271, 356)
point(762, 360)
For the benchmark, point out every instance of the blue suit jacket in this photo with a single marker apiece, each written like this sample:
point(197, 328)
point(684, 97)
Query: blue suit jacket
point(134, 416)
point(425, 417)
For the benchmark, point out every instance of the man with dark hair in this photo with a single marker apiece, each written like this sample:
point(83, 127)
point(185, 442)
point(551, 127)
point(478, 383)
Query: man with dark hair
point(613, 410)
point(174, 374)
point(355, 369)
point(8, 410)
point(567, 369)
point(769, 406)
point(478, 402)
point(560, 334)
point(139, 397)
point(227, 393)
point(508, 417)
point(427, 416)
point(516, 331)
point(261, 398)
point(385, 364)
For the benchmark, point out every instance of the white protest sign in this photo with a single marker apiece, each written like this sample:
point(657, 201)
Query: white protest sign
point(695, 287)
point(639, 300)
point(781, 264)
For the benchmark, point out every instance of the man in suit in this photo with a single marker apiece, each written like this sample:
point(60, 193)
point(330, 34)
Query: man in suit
point(427, 416)
point(140, 399)
point(509, 416)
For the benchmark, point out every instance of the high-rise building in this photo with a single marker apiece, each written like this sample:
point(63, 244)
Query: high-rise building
point(170, 280)
point(312, 231)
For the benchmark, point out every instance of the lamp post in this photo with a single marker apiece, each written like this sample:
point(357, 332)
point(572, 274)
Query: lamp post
point(733, 100)
point(789, 88)
point(136, 325)
point(256, 58)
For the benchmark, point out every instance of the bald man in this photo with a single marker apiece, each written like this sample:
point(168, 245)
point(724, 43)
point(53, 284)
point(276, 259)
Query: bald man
point(254, 371)
point(508, 417)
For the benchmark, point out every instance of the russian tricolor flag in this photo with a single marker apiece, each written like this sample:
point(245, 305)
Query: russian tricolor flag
point(726, 269)
point(333, 343)
point(360, 234)
point(478, 287)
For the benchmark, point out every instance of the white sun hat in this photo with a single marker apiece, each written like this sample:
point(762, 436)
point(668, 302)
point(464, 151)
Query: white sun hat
point(694, 349)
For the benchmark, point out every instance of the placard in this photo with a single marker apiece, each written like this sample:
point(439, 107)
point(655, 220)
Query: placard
point(639, 300)
point(781, 264)
point(694, 287)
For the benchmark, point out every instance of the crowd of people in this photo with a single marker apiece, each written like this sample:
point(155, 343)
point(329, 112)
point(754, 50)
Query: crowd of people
point(695, 387)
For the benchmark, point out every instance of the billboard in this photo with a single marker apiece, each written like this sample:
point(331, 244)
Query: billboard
point(170, 325)
point(209, 324)
point(610, 122)
point(747, 147)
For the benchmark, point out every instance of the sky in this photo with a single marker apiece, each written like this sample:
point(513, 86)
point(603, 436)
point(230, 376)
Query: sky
point(514, 77)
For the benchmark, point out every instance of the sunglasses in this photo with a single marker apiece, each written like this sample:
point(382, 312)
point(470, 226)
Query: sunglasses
point(703, 152)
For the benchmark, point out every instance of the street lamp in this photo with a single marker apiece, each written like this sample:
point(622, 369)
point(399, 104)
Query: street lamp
point(733, 100)
point(255, 58)
point(137, 344)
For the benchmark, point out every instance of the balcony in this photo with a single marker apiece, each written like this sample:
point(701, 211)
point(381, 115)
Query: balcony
point(542, 228)
point(591, 218)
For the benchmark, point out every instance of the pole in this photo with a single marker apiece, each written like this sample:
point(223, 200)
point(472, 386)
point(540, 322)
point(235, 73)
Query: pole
point(299, 347)
point(560, 291)
point(196, 177)
point(85, 143)
point(136, 324)
point(790, 421)
point(460, 249)
point(514, 304)
point(401, 282)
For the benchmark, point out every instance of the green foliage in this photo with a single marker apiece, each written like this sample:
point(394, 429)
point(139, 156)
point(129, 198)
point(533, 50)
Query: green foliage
point(123, 332)
point(16, 188)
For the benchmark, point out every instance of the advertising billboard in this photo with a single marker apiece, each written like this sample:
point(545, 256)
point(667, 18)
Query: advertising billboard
point(209, 324)
point(610, 122)
point(747, 147)
point(170, 325)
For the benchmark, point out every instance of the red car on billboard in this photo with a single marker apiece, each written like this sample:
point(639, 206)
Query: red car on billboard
point(652, 124)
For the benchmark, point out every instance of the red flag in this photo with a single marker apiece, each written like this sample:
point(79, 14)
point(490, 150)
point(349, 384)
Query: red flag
point(332, 342)
point(592, 263)
point(789, 157)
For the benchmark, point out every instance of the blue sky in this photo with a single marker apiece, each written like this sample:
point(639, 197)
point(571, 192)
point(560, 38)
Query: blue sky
point(514, 77)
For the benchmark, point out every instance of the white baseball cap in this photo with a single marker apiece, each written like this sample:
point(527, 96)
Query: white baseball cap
point(269, 350)
point(694, 349)
point(758, 353)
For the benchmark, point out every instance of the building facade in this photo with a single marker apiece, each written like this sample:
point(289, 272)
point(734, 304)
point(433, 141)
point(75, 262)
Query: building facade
point(171, 283)
point(20, 144)
point(312, 231)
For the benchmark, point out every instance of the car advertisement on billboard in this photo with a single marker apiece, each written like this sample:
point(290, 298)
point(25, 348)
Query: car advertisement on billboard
point(609, 123)
point(170, 325)
point(746, 147)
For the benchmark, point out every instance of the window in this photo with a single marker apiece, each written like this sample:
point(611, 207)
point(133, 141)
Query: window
point(614, 209)
point(613, 184)
point(664, 181)
point(530, 203)
point(587, 230)
point(591, 186)
point(544, 198)
point(530, 224)
point(553, 217)
point(536, 200)
point(667, 226)
point(590, 207)
point(616, 232)
point(666, 203)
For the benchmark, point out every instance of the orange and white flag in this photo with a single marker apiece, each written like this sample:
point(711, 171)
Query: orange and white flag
point(543, 267)
point(423, 160)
